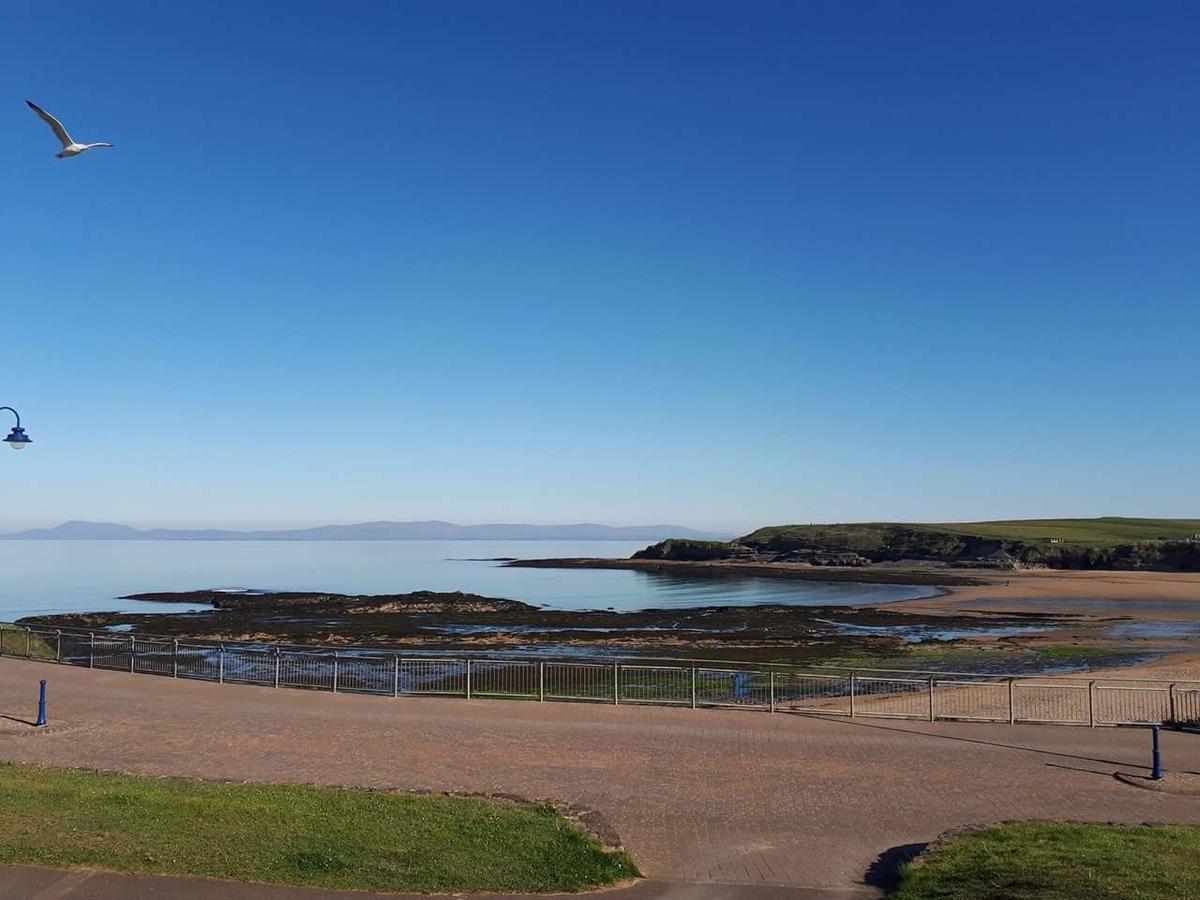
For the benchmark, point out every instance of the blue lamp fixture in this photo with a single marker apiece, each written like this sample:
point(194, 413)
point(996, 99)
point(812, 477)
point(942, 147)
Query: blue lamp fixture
point(17, 438)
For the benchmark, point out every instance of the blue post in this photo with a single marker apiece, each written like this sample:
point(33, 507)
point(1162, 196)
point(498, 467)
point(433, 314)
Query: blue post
point(41, 719)
point(1156, 773)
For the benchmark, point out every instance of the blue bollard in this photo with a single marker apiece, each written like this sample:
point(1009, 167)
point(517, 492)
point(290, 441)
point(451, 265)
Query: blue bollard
point(1156, 773)
point(41, 718)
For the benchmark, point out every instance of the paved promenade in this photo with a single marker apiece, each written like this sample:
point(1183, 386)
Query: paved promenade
point(707, 797)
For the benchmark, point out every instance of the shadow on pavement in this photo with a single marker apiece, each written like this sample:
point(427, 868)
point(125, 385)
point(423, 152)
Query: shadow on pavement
point(884, 872)
point(965, 740)
point(1104, 773)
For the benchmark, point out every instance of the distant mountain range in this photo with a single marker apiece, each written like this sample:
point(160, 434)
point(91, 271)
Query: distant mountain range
point(367, 531)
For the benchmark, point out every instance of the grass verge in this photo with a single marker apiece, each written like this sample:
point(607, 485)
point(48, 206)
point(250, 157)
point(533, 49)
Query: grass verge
point(1049, 861)
point(298, 835)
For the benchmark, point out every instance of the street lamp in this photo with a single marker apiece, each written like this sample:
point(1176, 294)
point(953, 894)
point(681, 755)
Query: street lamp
point(17, 438)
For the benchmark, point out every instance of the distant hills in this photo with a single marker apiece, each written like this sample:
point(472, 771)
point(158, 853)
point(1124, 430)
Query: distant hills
point(1111, 542)
point(367, 531)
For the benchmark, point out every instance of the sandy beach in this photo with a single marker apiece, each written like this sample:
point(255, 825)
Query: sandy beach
point(1100, 596)
point(1137, 594)
point(1116, 611)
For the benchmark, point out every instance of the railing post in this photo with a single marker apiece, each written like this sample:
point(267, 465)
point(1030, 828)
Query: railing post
point(58, 645)
point(772, 690)
point(616, 684)
point(541, 682)
point(28, 643)
point(335, 671)
point(132, 653)
point(693, 687)
point(468, 678)
point(91, 649)
point(853, 682)
point(175, 658)
point(220, 663)
point(395, 676)
point(932, 714)
point(277, 661)
point(1092, 704)
point(1012, 710)
point(1171, 704)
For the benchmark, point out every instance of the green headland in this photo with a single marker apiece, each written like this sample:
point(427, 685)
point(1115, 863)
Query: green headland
point(1109, 542)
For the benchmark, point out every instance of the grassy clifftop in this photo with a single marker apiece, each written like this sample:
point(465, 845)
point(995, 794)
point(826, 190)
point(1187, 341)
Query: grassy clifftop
point(1102, 532)
point(1104, 543)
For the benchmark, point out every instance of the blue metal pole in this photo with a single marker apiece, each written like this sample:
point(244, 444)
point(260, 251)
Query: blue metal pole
point(41, 718)
point(1156, 773)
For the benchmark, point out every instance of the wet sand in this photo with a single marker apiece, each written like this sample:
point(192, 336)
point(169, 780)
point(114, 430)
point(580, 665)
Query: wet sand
point(1154, 611)
point(1145, 595)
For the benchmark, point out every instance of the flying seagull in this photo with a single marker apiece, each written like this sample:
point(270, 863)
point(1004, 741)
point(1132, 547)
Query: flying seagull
point(70, 148)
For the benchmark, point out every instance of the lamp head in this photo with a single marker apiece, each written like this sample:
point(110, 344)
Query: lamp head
point(17, 439)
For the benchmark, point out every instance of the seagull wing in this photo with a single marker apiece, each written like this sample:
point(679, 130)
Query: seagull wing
point(55, 125)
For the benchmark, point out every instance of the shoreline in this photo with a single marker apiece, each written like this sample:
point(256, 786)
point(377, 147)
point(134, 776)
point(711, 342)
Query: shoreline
point(902, 577)
point(1168, 594)
point(979, 618)
point(1091, 600)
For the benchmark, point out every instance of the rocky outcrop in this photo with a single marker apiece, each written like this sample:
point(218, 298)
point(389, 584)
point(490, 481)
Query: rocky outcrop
point(346, 604)
point(682, 550)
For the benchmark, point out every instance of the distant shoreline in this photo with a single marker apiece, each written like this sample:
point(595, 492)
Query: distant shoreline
point(434, 530)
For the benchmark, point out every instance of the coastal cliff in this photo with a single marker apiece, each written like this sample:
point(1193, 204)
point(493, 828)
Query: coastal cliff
point(1108, 543)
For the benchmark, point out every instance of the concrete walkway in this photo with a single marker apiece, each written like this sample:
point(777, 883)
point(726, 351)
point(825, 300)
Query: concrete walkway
point(699, 797)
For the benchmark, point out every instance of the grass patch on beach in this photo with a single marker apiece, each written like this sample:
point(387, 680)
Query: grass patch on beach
point(286, 834)
point(1048, 861)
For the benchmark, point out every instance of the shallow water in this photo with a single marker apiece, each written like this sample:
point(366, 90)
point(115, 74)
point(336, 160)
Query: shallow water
point(457, 629)
point(920, 633)
point(46, 577)
point(1163, 628)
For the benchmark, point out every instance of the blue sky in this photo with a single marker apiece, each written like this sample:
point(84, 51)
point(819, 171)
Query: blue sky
point(715, 264)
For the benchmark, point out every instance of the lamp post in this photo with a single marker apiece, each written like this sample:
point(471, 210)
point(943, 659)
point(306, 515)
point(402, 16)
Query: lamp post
point(17, 439)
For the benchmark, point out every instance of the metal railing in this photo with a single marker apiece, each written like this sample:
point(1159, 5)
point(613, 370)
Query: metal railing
point(824, 690)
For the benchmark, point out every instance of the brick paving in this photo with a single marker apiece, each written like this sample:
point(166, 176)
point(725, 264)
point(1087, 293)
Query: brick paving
point(699, 797)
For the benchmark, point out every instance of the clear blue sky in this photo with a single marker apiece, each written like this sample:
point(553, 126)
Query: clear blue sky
point(713, 264)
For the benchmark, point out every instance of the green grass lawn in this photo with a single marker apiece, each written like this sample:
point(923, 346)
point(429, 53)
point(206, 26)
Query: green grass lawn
point(324, 837)
point(1099, 532)
point(1045, 861)
point(1102, 531)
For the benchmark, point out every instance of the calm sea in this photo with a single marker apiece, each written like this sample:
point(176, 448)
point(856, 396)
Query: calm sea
point(41, 577)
